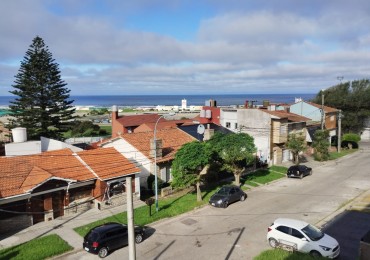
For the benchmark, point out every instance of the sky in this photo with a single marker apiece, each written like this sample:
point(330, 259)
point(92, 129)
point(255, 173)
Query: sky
point(154, 47)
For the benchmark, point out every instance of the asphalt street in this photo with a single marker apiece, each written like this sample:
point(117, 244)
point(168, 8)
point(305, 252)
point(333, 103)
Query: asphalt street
point(239, 232)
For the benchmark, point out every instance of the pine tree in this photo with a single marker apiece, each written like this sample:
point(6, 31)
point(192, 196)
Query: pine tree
point(42, 104)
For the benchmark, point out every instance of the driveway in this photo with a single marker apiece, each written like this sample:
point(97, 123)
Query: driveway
point(239, 232)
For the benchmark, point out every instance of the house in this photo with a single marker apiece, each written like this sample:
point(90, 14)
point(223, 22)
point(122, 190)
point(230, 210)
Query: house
point(127, 124)
point(317, 114)
point(269, 128)
point(42, 187)
point(139, 148)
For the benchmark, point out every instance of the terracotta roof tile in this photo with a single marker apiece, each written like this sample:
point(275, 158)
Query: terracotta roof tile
point(22, 173)
point(136, 120)
point(108, 163)
point(172, 140)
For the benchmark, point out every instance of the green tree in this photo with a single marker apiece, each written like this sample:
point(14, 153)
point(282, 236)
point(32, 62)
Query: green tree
point(42, 104)
point(296, 143)
point(321, 144)
point(84, 128)
point(353, 98)
point(190, 164)
point(236, 150)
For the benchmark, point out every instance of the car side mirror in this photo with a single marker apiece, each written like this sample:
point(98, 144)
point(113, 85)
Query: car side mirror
point(304, 239)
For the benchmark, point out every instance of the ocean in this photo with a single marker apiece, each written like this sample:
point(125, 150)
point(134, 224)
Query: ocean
point(173, 100)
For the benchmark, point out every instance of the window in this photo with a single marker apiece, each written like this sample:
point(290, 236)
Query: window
point(236, 126)
point(283, 229)
point(331, 118)
point(228, 124)
point(296, 233)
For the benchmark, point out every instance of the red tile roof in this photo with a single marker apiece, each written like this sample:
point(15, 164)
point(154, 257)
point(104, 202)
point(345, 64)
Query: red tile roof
point(136, 120)
point(21, 174)
point(172, 140)
point(108, 163)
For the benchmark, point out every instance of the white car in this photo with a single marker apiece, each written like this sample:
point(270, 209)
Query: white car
point(303, 237)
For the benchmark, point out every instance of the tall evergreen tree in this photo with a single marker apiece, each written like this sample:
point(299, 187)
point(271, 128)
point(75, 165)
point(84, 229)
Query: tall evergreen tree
point(42, 104)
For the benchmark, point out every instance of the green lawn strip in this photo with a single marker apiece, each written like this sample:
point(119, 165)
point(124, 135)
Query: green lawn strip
point(35, 249)
point(251, 183)
point(336, 155)
point(280, 169)
point(280, 254)
point(263, 176)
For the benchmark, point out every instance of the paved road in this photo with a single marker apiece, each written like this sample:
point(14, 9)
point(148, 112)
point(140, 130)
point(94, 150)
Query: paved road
point(239, 232)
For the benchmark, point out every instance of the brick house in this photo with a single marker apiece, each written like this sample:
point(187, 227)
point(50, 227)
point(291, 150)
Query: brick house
point(42, 187)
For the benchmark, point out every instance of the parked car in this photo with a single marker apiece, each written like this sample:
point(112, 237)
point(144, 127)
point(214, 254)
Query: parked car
point(103, 239)
point(298, 171)
point(303, 237)
point(227, 195)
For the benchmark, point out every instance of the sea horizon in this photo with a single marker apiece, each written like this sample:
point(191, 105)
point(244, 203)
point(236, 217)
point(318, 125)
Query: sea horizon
point(173, 100)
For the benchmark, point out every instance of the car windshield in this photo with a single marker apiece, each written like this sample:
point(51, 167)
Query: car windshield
point(313, 232)
point(223, 191)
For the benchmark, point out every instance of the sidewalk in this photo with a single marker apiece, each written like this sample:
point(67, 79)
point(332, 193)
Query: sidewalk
point(63, 226)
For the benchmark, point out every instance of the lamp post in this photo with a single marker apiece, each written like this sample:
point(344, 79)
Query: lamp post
point(155, 158)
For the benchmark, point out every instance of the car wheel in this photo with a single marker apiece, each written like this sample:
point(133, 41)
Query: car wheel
point(225, 204)
point(301, 175)
point(315, 254)
point(103, 252)
point(273, 243)
point(138, 238)
point(310, 172)
point(242, 197)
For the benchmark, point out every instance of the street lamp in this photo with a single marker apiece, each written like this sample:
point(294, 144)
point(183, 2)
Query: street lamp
point(155, 158)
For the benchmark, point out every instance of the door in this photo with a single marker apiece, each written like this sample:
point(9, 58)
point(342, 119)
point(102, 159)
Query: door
point(58, 208)
point(37, 209)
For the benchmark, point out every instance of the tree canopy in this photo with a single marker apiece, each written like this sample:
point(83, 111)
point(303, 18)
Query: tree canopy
point(42, 103)
point(353, 98)
point(235, 151)
point(296, 143)
point(321, 145)
point(189, 165)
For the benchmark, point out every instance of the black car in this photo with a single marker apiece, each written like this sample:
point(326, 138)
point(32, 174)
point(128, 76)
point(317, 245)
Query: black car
point(227, 195)
point(298, 171)
point(107, 237)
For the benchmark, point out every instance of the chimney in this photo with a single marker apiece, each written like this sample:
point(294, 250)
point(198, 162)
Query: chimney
point(159, 148)
point(208, 133)
point(114, 113)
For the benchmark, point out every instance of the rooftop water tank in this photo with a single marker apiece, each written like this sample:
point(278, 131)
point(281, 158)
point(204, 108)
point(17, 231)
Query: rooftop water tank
point(202, 113)
point(19, 134)
point(208, 114)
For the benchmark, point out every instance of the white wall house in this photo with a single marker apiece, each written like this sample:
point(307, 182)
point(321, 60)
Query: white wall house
point(254, 122)
point(134, 156)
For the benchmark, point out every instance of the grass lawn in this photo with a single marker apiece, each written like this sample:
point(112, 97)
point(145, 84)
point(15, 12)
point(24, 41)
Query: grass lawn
point(264, 176)
point(107, 128)
point(35, 249)
point(279, 254)
point(344, 152)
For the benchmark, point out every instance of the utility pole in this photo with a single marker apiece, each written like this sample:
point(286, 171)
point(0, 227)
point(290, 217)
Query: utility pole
point(322, 110)
point(130, 220)
point(339, 129)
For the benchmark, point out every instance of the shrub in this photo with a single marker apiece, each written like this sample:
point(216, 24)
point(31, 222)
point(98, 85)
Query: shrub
point(351, 137)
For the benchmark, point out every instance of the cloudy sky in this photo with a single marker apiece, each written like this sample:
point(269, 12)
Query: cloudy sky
point(191, 46)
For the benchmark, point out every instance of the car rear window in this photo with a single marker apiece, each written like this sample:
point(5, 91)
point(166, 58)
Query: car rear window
point(92, 236)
